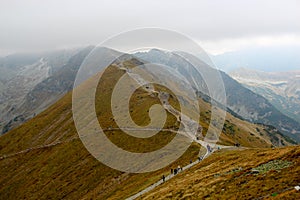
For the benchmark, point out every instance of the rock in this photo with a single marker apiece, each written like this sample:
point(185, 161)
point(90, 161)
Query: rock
point(254, 171)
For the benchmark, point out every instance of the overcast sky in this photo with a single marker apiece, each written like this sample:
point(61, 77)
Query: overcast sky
point(217, 25)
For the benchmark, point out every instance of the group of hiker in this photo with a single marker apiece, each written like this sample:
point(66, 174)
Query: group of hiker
point(176, 170)
point(179, 169)
point(173, 171)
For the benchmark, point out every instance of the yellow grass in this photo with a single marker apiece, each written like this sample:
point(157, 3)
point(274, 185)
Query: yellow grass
point(67, 170)
point(227, 175)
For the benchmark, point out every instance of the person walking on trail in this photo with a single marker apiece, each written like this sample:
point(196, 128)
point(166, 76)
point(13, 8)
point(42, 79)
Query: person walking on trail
point(200, 158)
point(208, 148)
point(191, 161)
point(172, 171)
point(178, 168)
point(175, 171)
point(163, 178)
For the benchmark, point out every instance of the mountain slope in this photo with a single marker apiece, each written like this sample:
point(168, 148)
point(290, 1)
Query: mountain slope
point(47, 171)
point(19, 74)
point(257, 109)
point(240, 100)
point(44, 91)
point(282, 89)
point(239, 174)
point(44, 158)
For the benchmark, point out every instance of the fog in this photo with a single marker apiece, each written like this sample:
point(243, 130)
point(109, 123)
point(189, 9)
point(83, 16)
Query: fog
point(218, 26)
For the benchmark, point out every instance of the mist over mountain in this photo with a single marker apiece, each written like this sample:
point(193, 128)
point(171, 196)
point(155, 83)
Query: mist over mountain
point(11, 64)
point(278, 58)
point(19, 75)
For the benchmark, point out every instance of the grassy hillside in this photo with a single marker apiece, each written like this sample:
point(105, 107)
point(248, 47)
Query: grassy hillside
point(229, 175)
point(45, 159)
point(65, 169)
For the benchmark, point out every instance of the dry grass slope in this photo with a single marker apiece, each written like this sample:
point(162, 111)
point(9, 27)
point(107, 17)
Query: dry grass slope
point(65, 169)
point(228, 175)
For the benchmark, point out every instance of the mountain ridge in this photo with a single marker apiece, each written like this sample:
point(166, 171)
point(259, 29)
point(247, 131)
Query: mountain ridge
point(241, 100)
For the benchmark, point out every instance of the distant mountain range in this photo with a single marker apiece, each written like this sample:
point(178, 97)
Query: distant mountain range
point(282, 89)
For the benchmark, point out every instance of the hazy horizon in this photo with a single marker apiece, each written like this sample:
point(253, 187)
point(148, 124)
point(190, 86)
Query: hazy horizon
point(217, 26)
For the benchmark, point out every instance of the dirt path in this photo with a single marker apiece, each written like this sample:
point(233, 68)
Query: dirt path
point(151, 187)
point(37, 147)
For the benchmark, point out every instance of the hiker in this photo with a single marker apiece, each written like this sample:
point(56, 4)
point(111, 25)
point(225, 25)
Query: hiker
point(175, 171)
point(171, 170)
point(191, 161)
point(163, 178)
point(208, 148)
point(178, 168)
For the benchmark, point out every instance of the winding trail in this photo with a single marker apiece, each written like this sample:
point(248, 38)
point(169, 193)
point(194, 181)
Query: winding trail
point(37, 147)
point(4, 156)
point(190, 127)
point(151, 187)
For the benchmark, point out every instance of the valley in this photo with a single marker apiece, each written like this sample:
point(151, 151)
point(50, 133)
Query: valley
point(282, 89)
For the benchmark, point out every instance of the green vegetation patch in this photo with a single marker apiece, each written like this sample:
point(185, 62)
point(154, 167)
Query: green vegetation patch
point(272, 165)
